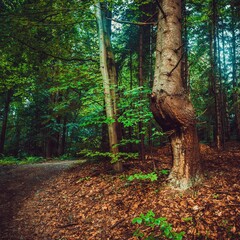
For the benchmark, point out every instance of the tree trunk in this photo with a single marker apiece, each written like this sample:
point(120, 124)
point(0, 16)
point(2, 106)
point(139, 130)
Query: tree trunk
point(219, 139)
point(234, 73)
point(185, 75)
point(225, 97)
point(130, 128)
point(140, 124)
point(5, 119)
point(108, 70)
point(170, 104)
point(62, 138)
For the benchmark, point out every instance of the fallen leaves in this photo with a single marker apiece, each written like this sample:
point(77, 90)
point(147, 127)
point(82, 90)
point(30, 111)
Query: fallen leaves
point(80, 204)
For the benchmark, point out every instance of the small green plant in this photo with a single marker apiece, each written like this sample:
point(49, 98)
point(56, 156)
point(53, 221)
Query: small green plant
point(149, 220)
point(187, 219)
point(114, 157)
point(32, 159)
point(83, 179)
point(164, 172)
point(215, 196)
point(142, 176)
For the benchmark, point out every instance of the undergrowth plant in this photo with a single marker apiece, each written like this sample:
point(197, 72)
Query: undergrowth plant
point(143, 176)
point(114, 157)
point(10, 160)
point(153, 176)
point(161, 224)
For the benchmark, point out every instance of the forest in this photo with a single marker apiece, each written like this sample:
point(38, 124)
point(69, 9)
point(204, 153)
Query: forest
point(114, 113)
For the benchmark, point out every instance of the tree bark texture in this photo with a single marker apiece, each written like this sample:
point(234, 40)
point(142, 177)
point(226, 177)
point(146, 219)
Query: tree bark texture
point(170, 104)
point(108, 70)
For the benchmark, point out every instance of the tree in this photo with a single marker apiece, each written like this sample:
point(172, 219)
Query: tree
point(109, 75)
point(234, 69)
point(170, 104)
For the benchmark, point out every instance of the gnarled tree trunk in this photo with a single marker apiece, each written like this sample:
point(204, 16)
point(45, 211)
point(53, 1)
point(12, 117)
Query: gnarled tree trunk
point(170, 104)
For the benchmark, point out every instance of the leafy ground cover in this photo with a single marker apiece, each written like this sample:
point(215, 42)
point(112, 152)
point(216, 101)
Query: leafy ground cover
point(89, 201)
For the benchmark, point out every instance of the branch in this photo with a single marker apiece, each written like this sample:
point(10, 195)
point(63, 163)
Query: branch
point(159, 6)
point(133, 23)
point(177, 49)
point(52, 55)
point(151, 16)
point(180, 59)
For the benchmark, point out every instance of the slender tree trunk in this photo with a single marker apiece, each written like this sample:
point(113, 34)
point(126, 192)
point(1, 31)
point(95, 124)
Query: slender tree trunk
point(9, 95)
point(221, 88)
point(108, 70)
point(63, 138)
point(150, 142)
point(140, 124)
point(17, 134)
point(215, 79)
point(130, 128)
point(236, 99)
point(225, 97)
point(170, 104)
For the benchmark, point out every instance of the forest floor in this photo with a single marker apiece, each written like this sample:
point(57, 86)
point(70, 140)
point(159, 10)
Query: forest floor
point(62, 201)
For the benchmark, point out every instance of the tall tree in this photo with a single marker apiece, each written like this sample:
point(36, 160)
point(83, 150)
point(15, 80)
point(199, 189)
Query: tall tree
point(170, 104)
point(215, 77)
point(109, 75)
point(234, 69)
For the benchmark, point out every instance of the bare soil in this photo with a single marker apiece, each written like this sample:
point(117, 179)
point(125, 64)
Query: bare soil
point(89, 201)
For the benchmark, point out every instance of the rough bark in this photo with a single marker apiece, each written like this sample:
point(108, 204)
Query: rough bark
point(185, 73)
point(170, 104)
point(108, 70)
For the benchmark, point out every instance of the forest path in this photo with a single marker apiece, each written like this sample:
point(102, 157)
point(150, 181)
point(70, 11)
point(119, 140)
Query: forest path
point(18, 182)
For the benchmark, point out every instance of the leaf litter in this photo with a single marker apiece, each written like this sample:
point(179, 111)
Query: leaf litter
point(91, 202)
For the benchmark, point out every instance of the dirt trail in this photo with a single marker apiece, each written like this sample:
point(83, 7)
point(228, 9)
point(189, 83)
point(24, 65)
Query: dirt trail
point(18, 182)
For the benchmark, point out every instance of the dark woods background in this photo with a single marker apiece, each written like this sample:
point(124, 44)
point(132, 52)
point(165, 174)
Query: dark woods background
point(51, 93)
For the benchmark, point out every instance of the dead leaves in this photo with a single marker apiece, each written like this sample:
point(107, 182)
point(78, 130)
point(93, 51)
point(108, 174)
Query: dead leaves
point(101, 206)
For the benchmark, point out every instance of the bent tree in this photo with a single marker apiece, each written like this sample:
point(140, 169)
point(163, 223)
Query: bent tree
point(109, 75)
point(170, 103)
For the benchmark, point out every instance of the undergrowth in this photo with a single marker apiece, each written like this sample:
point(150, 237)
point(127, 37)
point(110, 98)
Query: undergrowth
point(159, 226)
point(10, 160)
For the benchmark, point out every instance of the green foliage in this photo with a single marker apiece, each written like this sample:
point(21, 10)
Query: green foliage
point(66, 156)
point(10, 160)
point(149, 220)
point(141, 176)
point(164, 171)
point(133, 109)
point(32, 159)
point(121, 156)
point(83, 179)
point(187, 219)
